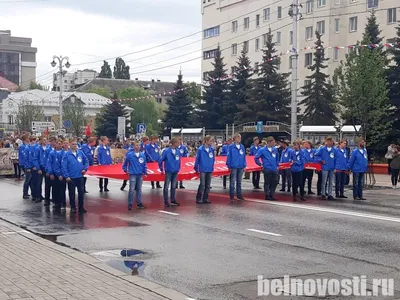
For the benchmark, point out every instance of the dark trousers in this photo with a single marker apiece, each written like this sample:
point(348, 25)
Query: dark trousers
point(270, 183)
point(27, 183)
point(340, 183)
point(319, 182)
point(204, 186)
point(358, 184)
point(56, 191)
point(17, 170)
point(63, 186)
point(308, 175)
point(48, 186)
point(78, 184)
point(40, 183)
point(256, 178)
point(389, 169)
point(101, 181)
point(124, 183)
point(84, 182)
point(224, 178)
point(297, 183)
point(35, 185)
point(395, 176)
point(180, 184)
point(286, 179)
point(157, 183)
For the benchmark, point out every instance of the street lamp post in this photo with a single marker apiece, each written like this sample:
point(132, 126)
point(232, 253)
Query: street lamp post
point(60, 59)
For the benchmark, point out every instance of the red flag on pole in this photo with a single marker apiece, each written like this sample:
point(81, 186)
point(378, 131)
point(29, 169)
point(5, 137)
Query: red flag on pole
point(47, 131)
point(88, 131)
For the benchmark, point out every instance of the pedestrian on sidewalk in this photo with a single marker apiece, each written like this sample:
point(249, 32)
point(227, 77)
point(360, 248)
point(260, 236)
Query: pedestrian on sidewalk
point(31, 167)
point(297, 161)
point(104, 159)
point(236, 163)
point(341, 169)
point(88, 150)
point(17, 167)
point(53, 169)
point(255, 174)
point(204, 165)
point(170, 164)
point(358, 164)
point(309, 157)
point(391, 151)
point(224, 152)
point(184, 153)
point(153, 154)
point(48, 184)
point(285, 173)
point(135, 166)
point(395, 167)
point(327, 156)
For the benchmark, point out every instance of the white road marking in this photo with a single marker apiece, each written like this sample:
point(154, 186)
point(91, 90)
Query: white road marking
point(264, 232)
point(14, 232)
point(328, 210)
point(190, 299)
point(105, 199)
point(168, 213)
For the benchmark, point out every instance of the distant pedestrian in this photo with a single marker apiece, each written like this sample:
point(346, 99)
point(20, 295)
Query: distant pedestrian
point(88, 150)
point(236, 163)
point(358, 164)
point(153, 154)
point(104, 159)
point(327, 156)
point(204, 165)
point(341, 169)
point(395, 168)
point(53, 168)
point(391, 150)
point(297, 161)
point(255, 174)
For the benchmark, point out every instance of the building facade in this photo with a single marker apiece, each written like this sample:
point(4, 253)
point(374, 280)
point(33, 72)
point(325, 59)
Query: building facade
point(234, 24)
point(17, 59)
point(71, 80)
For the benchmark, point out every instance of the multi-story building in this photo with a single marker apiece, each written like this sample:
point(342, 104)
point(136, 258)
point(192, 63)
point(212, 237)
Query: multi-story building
point(72, 80)
point(232, 24)
point(17, 59)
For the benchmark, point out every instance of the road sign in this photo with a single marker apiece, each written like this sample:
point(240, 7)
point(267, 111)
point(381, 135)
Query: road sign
point(42, 126)
point(67, 124)
point(61, 132)
point(259, 127)
point(141, 128)
point(121, 126)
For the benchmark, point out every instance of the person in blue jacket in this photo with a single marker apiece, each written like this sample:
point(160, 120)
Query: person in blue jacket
point(256, 174)
point(341, 169)
point(170, 164)
point(136, 166)
point(53, 169)
point(204, 165)
point(286, 173)
point(153, 154)
point(297, 161)
point(358, 164)
point(130, 148)
point(48, 184)
point(224, 152)
point(309, 156)
point(327, 156)
point(236, 163)
point(22, 159)
point(269, 157)
point(40, 161)
point(88, 149)
point(104, 159)
point(184, 153)
point(74, 166)
point(32, 166)
point(64, 150)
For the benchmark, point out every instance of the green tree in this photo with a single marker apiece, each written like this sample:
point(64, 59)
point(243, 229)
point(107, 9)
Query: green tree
point(193, 91)
point(215, 93)
point(372, 32)
point(240, 87)
point(121, 71)
point(107, 119)
point(180, 107)
point(269, 99)
point(28, 113)
point(35, 86)
point(149, 112)
point(132, 92)
point(319, 102)
point(102, 91)
point(74, 111)
point(105, 70)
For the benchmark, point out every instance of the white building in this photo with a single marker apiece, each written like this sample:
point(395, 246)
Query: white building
point(71, 80)
point(230, 24)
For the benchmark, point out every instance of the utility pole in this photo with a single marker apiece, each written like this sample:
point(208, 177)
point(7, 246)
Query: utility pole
point(294, 13)
point(60, 60)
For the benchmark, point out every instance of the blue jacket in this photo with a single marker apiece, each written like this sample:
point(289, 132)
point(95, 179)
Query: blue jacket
point(169, 161)
point(309, 156)
point(37, 157)
point(72, 166)
point(328, 156)
point(89, 151)
point(285, 155)
point(269, 159)
point(152, 152)
point(224, 150)
point(104, 156)
point(54, 163)
point(254, 150)
point(204, 160)
point(135, 164)
point(298, 159)
point(183, 150)
point(29, 156)
point(342, 160)
point(358, 161)
point(21, 155)
point(236, 158)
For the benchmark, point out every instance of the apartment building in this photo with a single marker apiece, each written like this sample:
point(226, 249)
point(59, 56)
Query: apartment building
point(17, 59)
point(232, 24)
point(71, 81)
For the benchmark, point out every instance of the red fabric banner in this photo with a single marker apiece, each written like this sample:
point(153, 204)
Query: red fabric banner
point(186, 172)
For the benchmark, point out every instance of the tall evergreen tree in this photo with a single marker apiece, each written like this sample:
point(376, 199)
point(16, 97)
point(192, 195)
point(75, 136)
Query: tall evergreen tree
point(319, 101)
point(107, 119)
point(372, 32)
point(240, 87)
point(121, 71)
point(215, 94)
point(180, 106)
point(105, 70)
point(269, 98)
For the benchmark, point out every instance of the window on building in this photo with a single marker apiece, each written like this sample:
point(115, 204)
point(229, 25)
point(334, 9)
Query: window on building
point(391, 41)
point(65, 87)
point(234, 26)
point(278, 37)
point(246, 46)
point(234, 49)
point(257, 44)
point(372, 4)
point(10, 120)
point(337, 25)
point(246, 23)
point(267, 13)
point(335, 53)
point(321, 3)
point(308, 59)
point(351, 49)
point(256, 67)
point(209, 54)
point(47, 119)
point(233, 69)
point(321, 27)
point(279, 12)
point(205, 76)
point(307, 84)
point(65, 81)
point(291, 37)
point(309, 33)
point(257, 20)
point(309, 6)
point(353, 24)
point(265, 37)
point(210, 32)
point(392, 15)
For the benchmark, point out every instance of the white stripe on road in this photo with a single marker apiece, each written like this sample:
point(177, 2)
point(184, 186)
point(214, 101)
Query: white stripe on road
point(168, 213)
point(328, 210)
point(14, 232)
point(106, 199)
point(264, 232)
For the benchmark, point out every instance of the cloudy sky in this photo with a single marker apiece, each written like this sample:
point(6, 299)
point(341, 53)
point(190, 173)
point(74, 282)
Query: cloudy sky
point(89, 31)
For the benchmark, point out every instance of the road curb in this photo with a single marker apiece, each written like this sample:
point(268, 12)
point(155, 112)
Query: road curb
point(156, 289)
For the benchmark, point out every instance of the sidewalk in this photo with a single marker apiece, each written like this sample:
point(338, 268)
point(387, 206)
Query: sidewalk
point(34, 268)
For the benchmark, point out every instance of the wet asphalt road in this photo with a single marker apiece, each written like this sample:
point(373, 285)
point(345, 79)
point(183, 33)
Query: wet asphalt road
point(216, 251)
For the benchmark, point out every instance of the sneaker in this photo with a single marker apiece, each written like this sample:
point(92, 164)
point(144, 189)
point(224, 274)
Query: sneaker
point(356, 198)
point(311, 193)
point(25, 197)
point(323, 197)
point(232, 199)
point(331, 198)
point(141, 206)
point(343, 197)
point(362, 198)
point(302, 199)
point(73, 210)
point(82, 211)
point(129, 207)
point(106, 190)
point(199, 202)
point(159, 186)
point(206, 201)
point(167, 205)
point(174, 203)
point(240, 198)
point(181, 187)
